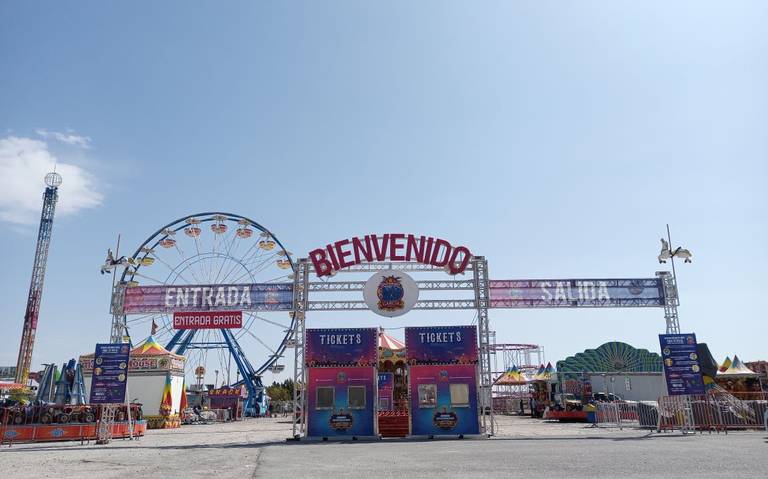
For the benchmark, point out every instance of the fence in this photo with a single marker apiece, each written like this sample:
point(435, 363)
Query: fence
point(712, 412)
point(623, 414)
point(688, 413)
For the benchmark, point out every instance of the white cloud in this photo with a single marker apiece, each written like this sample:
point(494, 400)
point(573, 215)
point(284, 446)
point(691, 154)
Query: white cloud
point(69, 138)
point(23, 165)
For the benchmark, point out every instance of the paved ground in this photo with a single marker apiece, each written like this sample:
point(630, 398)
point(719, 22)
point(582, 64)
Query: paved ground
point(523, 448)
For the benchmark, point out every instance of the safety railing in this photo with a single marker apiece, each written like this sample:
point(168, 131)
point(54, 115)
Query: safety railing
point(712, 412)
point(629, 414)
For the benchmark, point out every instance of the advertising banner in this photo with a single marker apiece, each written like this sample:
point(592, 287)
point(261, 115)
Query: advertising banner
point(444, 400)
point(441, 345)
point(681, 364)
point(386, 390)
point(208, 320)
point(110, 373)
point(212, 297)
point(576, 293)
point(340, 401)
point(342, 347)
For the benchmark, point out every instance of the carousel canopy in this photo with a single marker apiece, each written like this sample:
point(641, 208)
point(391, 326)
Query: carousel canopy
point(737, 370)
point(388, 342)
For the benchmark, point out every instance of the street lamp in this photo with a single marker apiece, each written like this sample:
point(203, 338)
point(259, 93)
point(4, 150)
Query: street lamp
point(667, 253)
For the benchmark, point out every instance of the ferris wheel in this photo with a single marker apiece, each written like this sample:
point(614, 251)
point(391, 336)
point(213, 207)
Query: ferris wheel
point(203, 253)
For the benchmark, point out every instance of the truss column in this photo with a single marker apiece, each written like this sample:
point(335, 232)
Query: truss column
point(482, 302)
point(118, 318)
point(671, 301)
point(300, 306)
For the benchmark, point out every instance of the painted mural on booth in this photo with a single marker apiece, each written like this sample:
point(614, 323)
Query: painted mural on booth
point(341, 401)
point(444, 400)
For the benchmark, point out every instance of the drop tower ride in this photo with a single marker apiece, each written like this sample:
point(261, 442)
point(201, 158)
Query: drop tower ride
point(50, 196)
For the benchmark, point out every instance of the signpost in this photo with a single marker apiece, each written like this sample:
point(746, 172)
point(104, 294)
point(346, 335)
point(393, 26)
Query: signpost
point(681, 364)
point(110, 373)
point(109, 385)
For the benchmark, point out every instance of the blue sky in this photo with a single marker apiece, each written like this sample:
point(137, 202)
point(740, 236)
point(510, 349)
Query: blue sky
point(554, 139)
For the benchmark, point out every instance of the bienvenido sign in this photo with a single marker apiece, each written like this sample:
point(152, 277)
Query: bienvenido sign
point(394, 247)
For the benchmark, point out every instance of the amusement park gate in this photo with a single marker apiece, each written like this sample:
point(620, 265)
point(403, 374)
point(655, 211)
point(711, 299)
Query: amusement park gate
point(485, 294)
point(224, 287)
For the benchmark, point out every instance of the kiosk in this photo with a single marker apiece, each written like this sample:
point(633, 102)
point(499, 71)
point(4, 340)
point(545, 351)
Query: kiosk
point(443, 380)
point(341, 386)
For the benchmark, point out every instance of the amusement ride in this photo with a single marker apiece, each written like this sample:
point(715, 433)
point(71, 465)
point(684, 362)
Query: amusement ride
point(211, 250)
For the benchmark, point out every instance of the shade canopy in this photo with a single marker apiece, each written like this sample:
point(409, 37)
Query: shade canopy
point(737, 369)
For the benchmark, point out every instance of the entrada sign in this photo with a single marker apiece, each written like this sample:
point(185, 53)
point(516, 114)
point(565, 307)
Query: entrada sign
point(395, 247)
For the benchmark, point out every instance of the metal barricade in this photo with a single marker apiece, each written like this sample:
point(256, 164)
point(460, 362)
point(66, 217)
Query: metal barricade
point(629, 414)
point(712, 412)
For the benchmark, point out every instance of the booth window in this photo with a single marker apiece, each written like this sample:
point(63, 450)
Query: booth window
point(356, 395)
point(427, 395)
point(325, 397)
point(460, 395)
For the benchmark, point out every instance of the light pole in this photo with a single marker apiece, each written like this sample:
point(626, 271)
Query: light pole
point(216, 380)
point(671, 297)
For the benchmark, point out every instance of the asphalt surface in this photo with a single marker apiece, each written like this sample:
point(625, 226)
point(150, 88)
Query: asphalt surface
point(523, 448)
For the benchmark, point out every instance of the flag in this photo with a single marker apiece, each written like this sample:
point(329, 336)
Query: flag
point(154, 328)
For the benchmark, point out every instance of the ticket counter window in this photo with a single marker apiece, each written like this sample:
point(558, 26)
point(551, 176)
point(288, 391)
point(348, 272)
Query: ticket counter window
point(325, 398)
point(459, 395)
point(356, 395)
point(427, 395)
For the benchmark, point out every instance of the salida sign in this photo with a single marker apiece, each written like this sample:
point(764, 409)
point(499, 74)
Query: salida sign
point(393, 246)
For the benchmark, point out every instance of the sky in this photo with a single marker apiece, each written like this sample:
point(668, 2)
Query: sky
point(555, 139)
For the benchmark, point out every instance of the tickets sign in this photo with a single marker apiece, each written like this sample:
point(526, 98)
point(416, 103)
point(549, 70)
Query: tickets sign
point(208, 320)
point(441, 345)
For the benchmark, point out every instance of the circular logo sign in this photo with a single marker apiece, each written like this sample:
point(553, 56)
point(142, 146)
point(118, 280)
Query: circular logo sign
point(390, 293)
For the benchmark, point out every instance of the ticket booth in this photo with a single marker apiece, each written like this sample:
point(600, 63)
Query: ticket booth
point(443, 380)
point(341, 386)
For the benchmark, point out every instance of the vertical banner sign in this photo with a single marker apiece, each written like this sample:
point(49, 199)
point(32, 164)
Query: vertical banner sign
point(681, 364)
point(342, 347)
point(110, 373)
point(441, 345)
point(386, 389)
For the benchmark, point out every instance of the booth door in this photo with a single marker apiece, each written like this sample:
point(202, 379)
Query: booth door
point(444, 400)
point(341, 402)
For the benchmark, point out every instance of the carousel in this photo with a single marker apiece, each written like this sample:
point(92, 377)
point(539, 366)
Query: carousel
point(393, 387)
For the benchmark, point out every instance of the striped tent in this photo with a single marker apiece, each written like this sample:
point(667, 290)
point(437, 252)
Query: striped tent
point(726, 364)
point(388, 342)
point(511, 377)
point(737, 369)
